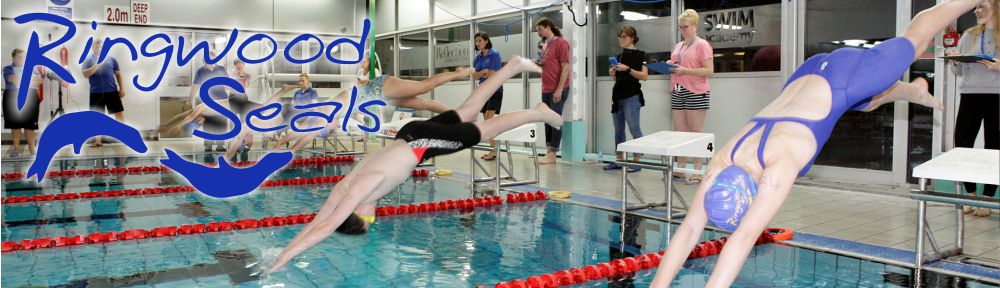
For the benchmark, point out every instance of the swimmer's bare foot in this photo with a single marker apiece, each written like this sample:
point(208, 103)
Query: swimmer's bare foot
point(524, 65)
point(982, 212)
point(550, 117)
point(914, 92)
point(919, 94)
point(465, 71)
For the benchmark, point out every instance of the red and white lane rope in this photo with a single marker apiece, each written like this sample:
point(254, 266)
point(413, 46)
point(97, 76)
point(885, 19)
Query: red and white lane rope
point(311, 161)
point(243, 224)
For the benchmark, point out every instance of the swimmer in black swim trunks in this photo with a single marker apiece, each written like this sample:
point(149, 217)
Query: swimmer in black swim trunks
point(381, 172)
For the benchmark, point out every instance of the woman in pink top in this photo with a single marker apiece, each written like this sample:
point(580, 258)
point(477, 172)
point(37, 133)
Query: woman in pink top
point(689, 82)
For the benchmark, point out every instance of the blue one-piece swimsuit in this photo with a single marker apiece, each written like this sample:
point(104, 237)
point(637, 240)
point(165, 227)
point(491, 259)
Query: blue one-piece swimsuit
point(854, 75)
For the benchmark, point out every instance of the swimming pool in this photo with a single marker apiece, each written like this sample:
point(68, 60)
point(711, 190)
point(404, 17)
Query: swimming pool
point(438, 249)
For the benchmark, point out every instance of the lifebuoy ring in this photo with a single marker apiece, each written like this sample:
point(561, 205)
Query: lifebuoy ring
point(780, 234)
point(560, 194)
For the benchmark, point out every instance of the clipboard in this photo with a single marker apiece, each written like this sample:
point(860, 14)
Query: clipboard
point(661, 67)
point(968, 58)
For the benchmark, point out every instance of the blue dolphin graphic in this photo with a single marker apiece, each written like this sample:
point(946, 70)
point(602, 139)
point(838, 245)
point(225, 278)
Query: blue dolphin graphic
point(226, 181)
point(74, 129)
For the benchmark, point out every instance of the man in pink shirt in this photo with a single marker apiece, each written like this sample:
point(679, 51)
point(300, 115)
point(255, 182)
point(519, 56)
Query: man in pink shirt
point(555, 80)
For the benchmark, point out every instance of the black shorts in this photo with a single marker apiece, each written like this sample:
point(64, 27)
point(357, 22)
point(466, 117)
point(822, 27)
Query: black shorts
point(108, 102)
point(241, 104)
point(443, 134)
point(27, 118)
point(494, 103)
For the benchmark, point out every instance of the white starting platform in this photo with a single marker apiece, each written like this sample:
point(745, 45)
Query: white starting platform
point(336, 139)
point(399, 119)
point(959, 165)
point(667, 145)
point(526, 134)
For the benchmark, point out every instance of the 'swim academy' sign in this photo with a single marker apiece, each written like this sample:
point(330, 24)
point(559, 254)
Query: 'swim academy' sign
point(742, 27)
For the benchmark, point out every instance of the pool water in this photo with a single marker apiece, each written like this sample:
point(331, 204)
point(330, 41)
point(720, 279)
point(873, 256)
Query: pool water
point(439, 249)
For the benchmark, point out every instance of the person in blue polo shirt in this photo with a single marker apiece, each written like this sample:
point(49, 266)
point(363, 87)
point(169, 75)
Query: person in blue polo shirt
point(217, 123)
point(487, 62)
point(106, 85)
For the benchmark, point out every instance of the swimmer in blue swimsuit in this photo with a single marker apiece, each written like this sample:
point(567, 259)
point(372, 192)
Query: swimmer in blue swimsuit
point(782, 141)
point(382, 172)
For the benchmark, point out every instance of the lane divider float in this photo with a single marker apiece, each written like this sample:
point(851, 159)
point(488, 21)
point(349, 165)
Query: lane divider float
point(243, 224)
point(627, 267)
point(174, 189)
point(311, 161)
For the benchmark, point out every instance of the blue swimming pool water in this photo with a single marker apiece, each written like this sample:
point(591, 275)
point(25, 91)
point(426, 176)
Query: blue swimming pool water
point(442, 249)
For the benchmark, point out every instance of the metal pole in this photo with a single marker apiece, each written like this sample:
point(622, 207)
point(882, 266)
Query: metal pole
point(496, 152)
point(921, 214)
point(624, 208)
point(960, 218)
point(669, 178)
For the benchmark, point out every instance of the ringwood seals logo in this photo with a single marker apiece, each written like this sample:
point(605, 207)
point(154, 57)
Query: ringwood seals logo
point(222, 181)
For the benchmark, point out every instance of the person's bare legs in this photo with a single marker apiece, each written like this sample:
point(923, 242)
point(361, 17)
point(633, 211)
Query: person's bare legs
point(489, 114)
point(680, 125)
point(503, 123)
point(234, 145)
point(913, 92)
point(29, 136)
point(420, 104)
point(16, 149)
point(928, 23)
point(472, 105)
point(695, 123)
point(394, 88)
point(305, 139)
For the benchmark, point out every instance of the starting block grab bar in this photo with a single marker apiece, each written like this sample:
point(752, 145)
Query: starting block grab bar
point(528, 134)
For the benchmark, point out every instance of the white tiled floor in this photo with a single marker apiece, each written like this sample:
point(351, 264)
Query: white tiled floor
point(885, 219)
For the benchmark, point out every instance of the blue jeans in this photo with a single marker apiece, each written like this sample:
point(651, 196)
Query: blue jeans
point(553, 136)
point(628, 113)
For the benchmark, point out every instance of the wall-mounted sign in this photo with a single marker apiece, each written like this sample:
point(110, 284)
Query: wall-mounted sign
point(62, 8)
point(136, 13)
point(742, 27)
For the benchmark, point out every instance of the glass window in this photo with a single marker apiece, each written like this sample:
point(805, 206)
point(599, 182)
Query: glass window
point(281, 64)
point(323, 66)
point(180, 76)
point(745, 35)
point(217, 42)
point(493, 6)
point(413, 56)
point(451, 10)
point(413, 13)
point(384, 49)
point(860, 140)
point(508, 42)
point(452, 48)
point(652, 24)
point(385, 16)
point(534, 41)
point(506, 36)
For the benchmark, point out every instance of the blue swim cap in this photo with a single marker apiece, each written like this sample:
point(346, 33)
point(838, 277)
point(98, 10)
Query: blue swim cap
point(730, 197)
point(191, 126)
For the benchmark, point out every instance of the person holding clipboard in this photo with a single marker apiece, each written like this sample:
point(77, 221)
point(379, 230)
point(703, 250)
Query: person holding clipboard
point(689, 82)
point(979, 88)
point(626, 96)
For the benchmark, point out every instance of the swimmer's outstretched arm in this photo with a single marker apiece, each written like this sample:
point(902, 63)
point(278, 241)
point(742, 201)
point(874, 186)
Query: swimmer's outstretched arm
point(775, 183)
point(336, 209)
point(686, 235)
point(277, 95)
